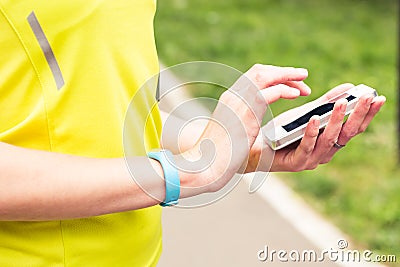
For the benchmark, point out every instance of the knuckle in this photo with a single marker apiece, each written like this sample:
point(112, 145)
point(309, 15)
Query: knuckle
point(325, 161)
point(258, 77)
point(300, 166)
point(257, 67)
point(227, 97)
point(330, 142)
point(312, 166)
point(311, 134)
point(350, 134)
point(297, 166)
point(362, 128)
point(358, 112)
point(307, 149)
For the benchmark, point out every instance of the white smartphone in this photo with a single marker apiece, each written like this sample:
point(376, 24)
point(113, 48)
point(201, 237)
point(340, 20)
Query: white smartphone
point(281, 133)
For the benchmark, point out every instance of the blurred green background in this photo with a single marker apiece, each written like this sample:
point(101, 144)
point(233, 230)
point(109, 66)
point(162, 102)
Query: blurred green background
point(337, 41)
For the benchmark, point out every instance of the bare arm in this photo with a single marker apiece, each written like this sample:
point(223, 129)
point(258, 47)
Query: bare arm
point(39, 185)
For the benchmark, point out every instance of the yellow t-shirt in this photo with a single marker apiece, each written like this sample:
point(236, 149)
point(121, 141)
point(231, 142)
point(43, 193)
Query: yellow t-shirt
point(68, 70)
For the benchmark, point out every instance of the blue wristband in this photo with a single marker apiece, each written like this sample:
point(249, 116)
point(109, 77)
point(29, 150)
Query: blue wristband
point(171, 176)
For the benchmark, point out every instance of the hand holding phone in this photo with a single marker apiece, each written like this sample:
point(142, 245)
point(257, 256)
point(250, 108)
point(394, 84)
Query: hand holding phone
point(290, 126)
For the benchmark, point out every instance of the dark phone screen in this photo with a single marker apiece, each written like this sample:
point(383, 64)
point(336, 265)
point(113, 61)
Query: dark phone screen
point(321, 110)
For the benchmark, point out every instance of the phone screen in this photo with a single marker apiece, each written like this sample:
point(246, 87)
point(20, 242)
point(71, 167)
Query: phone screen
point(321, 110)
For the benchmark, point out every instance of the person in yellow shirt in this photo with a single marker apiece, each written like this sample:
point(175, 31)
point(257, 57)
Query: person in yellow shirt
point(68, 71)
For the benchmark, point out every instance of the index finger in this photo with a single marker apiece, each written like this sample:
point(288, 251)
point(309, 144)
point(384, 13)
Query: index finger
point(266, 75)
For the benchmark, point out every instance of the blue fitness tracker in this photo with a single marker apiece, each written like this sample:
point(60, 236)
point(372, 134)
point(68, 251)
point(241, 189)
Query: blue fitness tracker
point(171, 176)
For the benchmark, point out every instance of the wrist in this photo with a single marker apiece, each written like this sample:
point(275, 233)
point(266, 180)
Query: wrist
point(193, 180)
point(261, 158)
point(252, 163)
point(171, 176)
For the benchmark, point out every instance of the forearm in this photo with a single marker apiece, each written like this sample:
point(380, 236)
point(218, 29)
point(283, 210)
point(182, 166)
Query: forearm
point(38, 185)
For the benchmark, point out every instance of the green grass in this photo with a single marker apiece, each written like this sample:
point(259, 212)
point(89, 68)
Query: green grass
point(337, 41)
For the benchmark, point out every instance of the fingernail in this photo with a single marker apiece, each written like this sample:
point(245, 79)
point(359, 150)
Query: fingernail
point(308, 89)
point(343, 107)
point(315, 121)
point(303, 71)
point(295, 92)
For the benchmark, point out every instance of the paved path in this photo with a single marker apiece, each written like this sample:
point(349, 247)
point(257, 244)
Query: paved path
point(229, 233)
